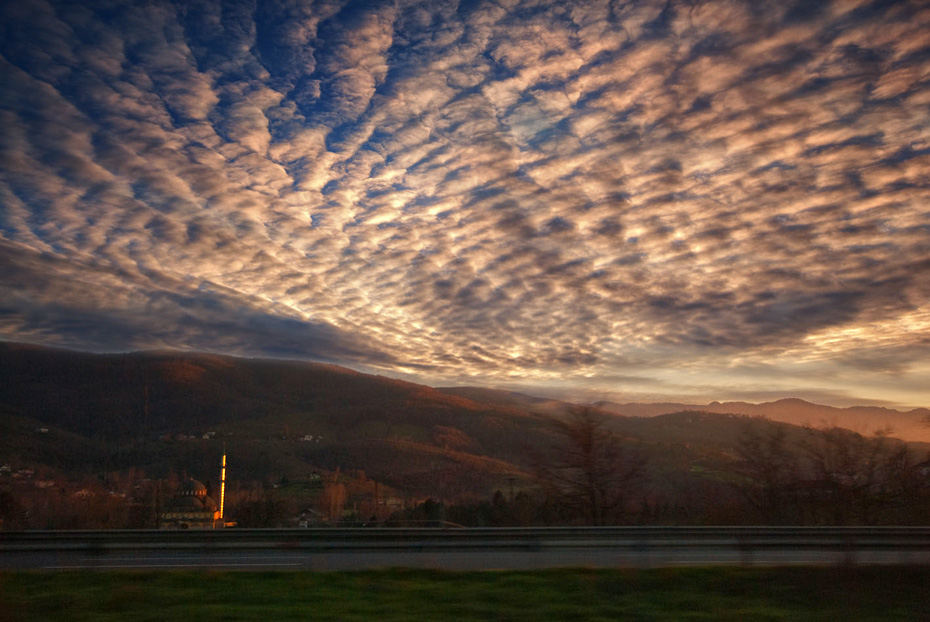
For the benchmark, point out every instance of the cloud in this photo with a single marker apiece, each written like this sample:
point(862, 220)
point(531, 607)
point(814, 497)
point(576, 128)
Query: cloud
point(520, 190)
point(51, 300)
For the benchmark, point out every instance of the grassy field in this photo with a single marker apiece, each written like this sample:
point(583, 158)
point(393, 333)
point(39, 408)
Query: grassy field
point(810, 593)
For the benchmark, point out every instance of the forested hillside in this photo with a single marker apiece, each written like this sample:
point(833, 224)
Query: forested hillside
point(130, 426)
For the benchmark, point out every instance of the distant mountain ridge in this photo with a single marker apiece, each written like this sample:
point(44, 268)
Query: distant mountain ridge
point(159, 391)
point(513, 399)
point(72, 415)
point(912, 425)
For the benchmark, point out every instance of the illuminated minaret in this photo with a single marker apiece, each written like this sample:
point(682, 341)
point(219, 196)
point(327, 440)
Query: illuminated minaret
point(223, 483)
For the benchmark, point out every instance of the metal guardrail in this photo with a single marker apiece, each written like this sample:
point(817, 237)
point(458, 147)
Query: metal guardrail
point(524, 547)
point(918, 537)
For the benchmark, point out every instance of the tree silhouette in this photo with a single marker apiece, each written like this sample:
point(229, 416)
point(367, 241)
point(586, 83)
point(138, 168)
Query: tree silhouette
point(829, 476)
point(769, 464)
point(590, 472)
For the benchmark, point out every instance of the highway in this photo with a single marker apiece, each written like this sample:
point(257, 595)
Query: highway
point(462, 549)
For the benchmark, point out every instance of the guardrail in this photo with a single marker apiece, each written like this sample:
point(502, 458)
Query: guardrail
point(523, 547)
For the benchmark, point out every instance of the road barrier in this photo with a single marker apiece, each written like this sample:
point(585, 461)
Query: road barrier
point(470, 548)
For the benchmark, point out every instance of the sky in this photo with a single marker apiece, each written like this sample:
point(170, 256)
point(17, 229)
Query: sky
point(626, 200)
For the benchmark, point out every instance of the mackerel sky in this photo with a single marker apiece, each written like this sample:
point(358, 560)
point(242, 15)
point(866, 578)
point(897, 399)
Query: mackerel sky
point(630, 200)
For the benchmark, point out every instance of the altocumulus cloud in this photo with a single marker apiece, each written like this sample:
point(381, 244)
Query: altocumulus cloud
point(639, 197)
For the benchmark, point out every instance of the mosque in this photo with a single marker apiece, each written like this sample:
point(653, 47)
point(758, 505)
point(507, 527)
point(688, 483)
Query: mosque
point(192, 508)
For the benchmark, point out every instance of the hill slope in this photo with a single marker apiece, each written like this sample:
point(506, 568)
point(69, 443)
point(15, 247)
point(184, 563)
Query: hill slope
point(285, 419)
point(910, 425)
point(281, 417)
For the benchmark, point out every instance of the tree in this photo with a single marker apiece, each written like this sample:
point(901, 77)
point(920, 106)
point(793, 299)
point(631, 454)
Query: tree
point(590, 472)
point(12, 513)
point(769, 465)
point(333, 500)
point(261, 509)
point(829, 476)
point(869, 479)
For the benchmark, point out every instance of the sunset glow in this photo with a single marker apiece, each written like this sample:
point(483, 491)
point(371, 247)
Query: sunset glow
point(591, 199)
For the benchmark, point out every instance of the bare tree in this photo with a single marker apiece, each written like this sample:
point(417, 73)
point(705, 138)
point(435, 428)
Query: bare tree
point(828, 476)
point(868, 478)
point(591, 471)
point(333, 500)
point(769, 465)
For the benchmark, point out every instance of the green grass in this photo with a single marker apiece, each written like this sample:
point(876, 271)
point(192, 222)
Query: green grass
point(810, 593)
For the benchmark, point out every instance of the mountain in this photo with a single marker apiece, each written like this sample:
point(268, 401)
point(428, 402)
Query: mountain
point(286, 419)
point(72, 423)
point(281, 419)
point(511, 399)
point(912, 425)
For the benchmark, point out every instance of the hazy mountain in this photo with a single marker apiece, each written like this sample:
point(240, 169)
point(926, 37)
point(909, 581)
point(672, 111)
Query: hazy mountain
point(910, 425)
point(512, 399)
point(285, 419)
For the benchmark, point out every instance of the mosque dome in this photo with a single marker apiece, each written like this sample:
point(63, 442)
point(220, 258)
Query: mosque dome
point(191, 508)
point(185, 504)
point(192, 488)
point(192, 496)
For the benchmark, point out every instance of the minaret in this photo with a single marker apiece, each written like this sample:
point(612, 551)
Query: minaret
point(223, 483)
